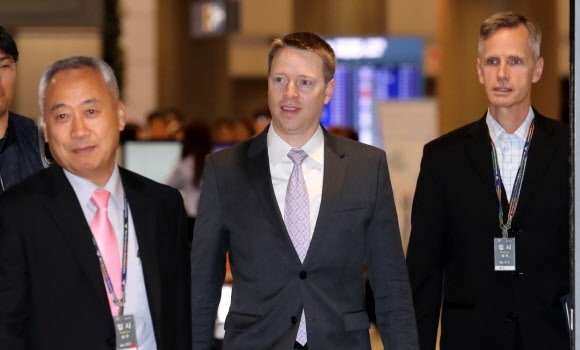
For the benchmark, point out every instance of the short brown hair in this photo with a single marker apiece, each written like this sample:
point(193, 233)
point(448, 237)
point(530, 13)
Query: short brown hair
point(503, 20)
point(310, 42)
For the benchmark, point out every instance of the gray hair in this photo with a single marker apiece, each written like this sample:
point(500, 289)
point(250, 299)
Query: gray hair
point(77, 62)
point(511, 20)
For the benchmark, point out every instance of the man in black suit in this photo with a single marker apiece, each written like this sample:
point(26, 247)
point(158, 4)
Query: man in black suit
point(489, 241)
point(55, 290)
point(288, 294)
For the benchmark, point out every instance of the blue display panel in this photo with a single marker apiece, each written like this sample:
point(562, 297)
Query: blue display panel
point(372, 69)
point(338, 111)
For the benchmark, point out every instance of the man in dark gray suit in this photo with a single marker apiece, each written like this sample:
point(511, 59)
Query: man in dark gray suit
point(299, 288)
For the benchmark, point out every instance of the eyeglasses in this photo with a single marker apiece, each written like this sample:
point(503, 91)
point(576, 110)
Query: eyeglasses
point(7, 68)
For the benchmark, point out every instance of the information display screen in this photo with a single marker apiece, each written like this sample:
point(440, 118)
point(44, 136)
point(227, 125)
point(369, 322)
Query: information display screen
point(372, 69)
point(152, 159)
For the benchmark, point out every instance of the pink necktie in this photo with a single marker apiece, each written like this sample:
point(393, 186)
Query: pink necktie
point(297, 218)
point(107, 241)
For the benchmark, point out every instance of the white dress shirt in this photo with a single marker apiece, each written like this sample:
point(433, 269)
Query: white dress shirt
point(312, 169)
point(136, 303)
point(509, 149)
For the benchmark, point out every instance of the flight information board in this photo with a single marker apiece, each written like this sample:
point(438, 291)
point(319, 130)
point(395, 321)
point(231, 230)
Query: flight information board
point(369, 70)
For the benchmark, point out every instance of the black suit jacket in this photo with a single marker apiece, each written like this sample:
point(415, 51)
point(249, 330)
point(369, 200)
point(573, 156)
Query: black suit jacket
point(450, 255)
point(357, 224)
point(52, 294)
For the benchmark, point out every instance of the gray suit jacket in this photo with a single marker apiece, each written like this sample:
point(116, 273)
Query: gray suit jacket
point(357, 225)
point(52, 294)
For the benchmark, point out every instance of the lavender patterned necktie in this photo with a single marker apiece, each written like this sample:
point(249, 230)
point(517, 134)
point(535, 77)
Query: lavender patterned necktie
point(297, 218)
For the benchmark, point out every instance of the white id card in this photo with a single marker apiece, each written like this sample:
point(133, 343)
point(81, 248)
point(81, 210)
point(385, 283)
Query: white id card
point(126, 332)
point(504, 254)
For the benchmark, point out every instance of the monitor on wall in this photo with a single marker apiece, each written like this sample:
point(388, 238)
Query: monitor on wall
point(152, 159)
point(372, 69)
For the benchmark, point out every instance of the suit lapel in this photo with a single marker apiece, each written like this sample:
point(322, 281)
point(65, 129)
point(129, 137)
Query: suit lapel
point(142, 209)
point(333, 178)
point(539, 157)
point(541, 148)
point(478, 150)
point(72, 225)
point(257, 168)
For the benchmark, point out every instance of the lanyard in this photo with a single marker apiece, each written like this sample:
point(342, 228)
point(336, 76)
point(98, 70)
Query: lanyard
point(119, 303)
point(517, 184)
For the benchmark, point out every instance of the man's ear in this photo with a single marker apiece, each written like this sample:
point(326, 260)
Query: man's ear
point(121, 115)
point(538, 70)
point(329, 91)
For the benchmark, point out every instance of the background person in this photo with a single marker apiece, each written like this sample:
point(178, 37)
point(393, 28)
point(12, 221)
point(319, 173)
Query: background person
point(186, 176)
point(19, 141)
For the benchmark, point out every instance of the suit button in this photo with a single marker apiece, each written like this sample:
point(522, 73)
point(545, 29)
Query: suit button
point(293, 319)
point(302, 275)
point(518, 274)
point(512, 317)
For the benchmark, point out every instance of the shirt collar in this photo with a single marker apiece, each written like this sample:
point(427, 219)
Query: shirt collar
point(278, 148)
point(84, 188)
point(496, 131)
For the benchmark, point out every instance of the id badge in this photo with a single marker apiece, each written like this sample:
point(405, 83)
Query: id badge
point(504, 254)
point(126, 332)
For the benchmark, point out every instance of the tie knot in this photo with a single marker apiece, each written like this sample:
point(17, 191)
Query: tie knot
point(297, 155)
point(100, 198)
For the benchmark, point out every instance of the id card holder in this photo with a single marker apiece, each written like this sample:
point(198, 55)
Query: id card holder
point(126, 332)
point(504, 254)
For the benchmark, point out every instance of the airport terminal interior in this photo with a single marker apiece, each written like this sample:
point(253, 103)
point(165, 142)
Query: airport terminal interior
point(206, 60)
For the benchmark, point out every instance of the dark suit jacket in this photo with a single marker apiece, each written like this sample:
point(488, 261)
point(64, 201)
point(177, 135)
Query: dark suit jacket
point(450, 255)
point(52, 294)
point(20, 153)
point(357, 223)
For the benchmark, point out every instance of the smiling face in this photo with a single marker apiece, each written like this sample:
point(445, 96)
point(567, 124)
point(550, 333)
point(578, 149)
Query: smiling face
point(507, 70)
point(297, 94)
point(82, 123)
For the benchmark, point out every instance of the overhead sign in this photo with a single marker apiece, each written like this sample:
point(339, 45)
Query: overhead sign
point(213, 18)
